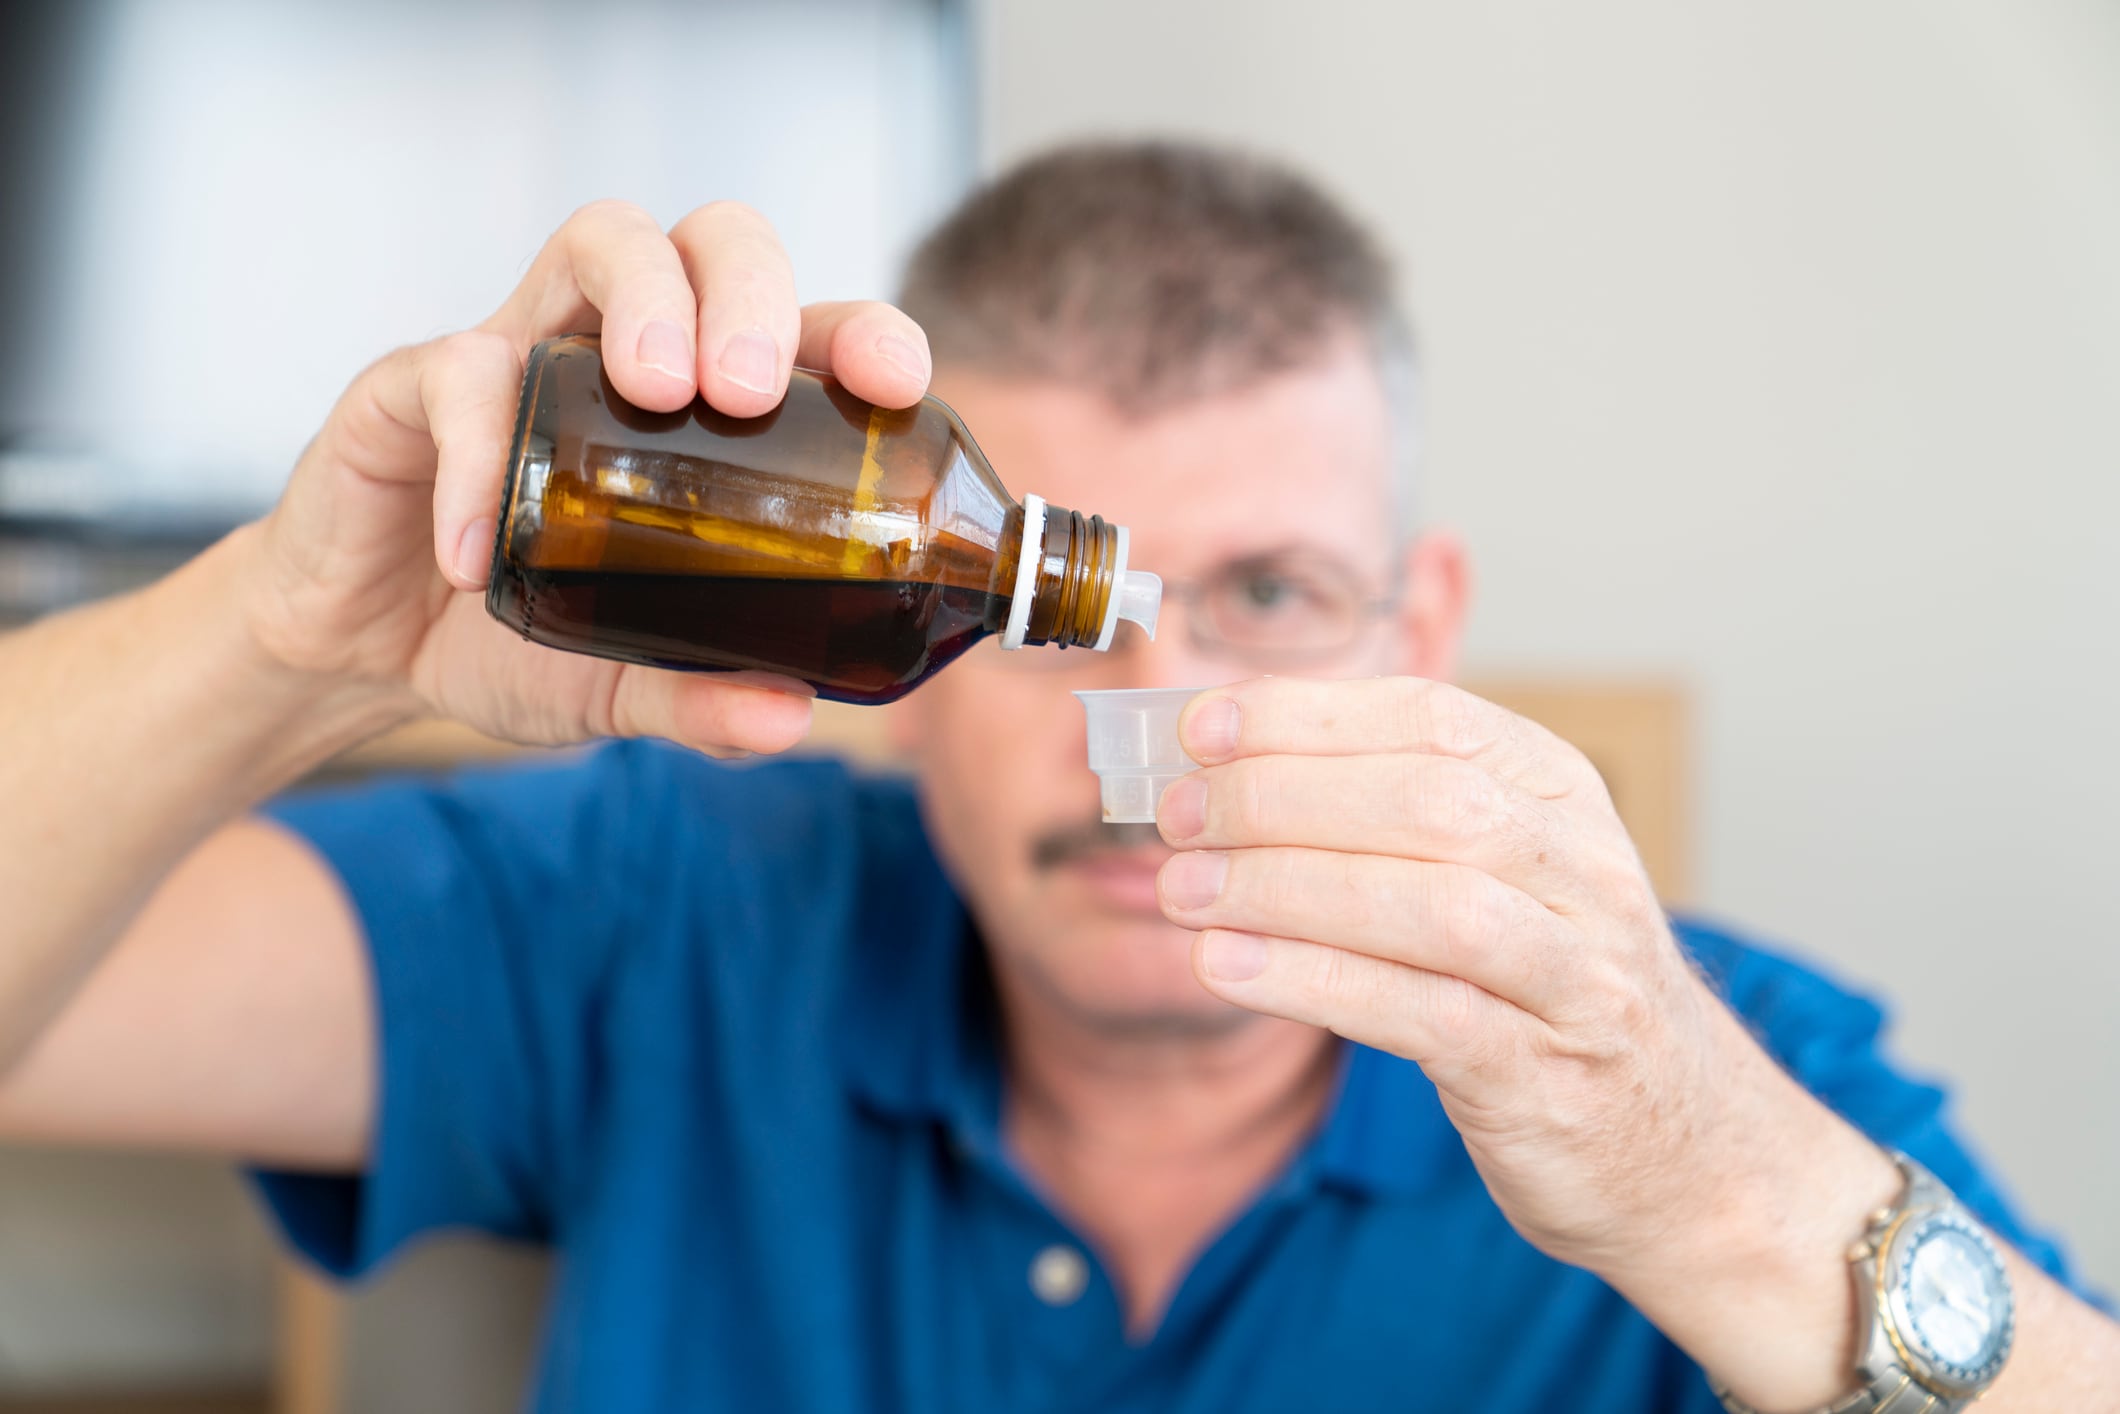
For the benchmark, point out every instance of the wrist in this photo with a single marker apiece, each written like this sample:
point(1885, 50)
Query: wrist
point(281, 716)
point(1754, 1282)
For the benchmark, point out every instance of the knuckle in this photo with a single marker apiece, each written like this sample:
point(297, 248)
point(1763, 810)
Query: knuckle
point(1348, 982)
point(1467, 914)
point(1514, 825)
point(1271, 884)
point(1578, 978)
point(747, 294)
point(1409, 709)
point(1533, 833)
point(609, 211)
point(475, 348)
point(1454, 796)
point(402, 355)
point(1606, 1012)
point(1446, 716)
point(745, 284)
point(1368, 897)
point(729, 223)
point(874, 311)
point(364, 433)
point(870, 319)
point(1451, 719)
point(1486, 933)
point(1248, 801)
point(392, 364)
point(1624, 887)
point(1632, 1011)
point(1582, 773)
point(1639, 894)
point(1454, 1015)
point(1504, 911)
point(730, 211)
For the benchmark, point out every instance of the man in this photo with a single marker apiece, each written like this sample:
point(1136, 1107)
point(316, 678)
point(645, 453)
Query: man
point(837, 1094)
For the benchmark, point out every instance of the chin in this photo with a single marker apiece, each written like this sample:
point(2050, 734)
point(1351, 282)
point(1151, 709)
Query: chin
point(1119, 974)
point(1141, 1015)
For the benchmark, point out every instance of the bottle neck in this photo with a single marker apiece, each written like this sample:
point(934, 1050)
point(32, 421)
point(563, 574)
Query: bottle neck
point(1071, 584)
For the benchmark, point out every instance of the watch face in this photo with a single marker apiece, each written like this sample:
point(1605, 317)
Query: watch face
point(1950, 1301)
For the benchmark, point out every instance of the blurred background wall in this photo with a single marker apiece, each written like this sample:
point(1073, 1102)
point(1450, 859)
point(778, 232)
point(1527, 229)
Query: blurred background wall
point(1774, 349)
point(232, 206)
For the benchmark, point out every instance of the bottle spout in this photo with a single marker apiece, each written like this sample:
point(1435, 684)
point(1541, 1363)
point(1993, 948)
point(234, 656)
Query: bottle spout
point(1141, 599)
point(1136, 596)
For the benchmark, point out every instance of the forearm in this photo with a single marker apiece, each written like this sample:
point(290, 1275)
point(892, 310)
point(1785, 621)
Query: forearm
point(1761, 1293)
point(131, 729)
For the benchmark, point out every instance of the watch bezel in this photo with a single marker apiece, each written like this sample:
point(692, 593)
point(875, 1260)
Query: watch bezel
point(1906, 1236)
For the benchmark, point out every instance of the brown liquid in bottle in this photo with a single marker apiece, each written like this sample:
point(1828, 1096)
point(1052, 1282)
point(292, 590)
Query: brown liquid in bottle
point(855, 640)
point(859, 549)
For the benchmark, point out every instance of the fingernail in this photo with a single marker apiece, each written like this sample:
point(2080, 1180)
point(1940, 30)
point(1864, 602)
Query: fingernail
point(1183, 810)
point(904, 355)
point(1212, 733)
point(474, 552)
point(1233, 957)
point(1195, 880)
point(751, 360)
point(664, 348)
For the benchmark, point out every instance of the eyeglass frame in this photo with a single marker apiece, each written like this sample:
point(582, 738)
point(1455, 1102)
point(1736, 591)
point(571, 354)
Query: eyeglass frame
point(1188, 592)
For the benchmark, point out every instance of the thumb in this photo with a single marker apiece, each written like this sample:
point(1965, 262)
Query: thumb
point(457, 396)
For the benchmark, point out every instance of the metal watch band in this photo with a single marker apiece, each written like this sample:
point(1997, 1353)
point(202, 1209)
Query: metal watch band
point(1862, 1401)
point(1887, 1386)
point(1889, 1392)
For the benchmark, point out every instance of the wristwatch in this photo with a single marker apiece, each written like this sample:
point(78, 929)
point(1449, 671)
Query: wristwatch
point(1935, 1304)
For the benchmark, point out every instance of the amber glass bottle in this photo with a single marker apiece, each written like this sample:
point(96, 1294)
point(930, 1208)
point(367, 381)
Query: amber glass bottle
point(856, 548)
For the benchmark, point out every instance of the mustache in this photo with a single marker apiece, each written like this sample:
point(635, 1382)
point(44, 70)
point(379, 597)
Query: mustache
point(1083, 839)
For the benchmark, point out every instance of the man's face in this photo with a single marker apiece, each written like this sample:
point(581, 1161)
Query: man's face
point(1293, 469)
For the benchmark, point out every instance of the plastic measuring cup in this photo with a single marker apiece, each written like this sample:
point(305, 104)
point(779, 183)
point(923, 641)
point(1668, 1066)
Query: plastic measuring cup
point(1133, 747)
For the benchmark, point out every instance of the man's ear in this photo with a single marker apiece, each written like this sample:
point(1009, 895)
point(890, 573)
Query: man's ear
point(1435, 594)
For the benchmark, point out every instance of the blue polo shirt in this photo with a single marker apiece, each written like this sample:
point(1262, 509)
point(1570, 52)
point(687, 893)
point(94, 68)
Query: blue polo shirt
point(723, 1037)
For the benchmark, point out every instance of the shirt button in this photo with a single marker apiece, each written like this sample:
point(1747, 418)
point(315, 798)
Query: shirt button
point(1059, 1274)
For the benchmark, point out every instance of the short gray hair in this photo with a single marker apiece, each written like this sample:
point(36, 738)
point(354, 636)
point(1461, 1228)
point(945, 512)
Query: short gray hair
point(1159, 271)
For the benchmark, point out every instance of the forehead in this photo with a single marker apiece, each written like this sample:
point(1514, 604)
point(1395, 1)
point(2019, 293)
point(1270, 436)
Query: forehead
point(1298, 460)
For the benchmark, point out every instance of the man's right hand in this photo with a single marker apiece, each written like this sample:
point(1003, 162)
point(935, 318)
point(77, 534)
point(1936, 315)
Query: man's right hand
point(155, 944)
point(368, 575)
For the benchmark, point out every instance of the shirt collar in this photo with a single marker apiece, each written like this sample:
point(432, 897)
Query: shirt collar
point(915, 1023)
point(919, 1042)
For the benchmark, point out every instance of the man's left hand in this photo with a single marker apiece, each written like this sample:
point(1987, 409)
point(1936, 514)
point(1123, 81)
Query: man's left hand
point(1423, 872)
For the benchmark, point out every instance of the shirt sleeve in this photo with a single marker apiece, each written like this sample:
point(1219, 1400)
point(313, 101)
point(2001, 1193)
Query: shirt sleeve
point(1832, 1040)
point(495, 905)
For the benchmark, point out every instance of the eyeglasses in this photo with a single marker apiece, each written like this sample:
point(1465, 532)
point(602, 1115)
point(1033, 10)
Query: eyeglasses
point(1283, 610)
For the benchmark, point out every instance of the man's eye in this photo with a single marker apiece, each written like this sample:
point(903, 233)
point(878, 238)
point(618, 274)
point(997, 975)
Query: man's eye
point(1265, 591)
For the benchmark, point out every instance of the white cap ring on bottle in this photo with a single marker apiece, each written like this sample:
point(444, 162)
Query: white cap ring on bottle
point(1135, 595)
point(1033, 547)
